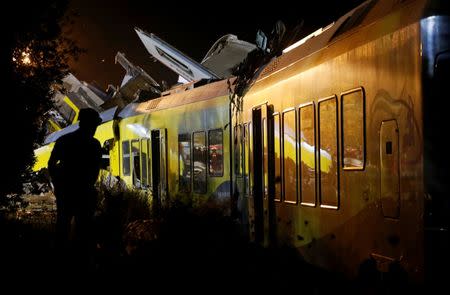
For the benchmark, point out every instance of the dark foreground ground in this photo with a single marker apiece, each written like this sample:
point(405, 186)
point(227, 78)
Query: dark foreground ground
point(191, 254)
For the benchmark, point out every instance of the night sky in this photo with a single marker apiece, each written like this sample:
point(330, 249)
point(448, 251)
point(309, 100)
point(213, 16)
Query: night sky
point(104, 27)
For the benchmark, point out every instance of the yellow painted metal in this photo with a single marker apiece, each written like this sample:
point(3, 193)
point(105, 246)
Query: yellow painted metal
point(54, 125)
point(201, 115)
point(73, 107)
point(42, 155)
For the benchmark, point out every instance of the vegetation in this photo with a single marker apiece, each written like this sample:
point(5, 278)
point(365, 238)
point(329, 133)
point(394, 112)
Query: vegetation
point(35, 55)
point(128, 222)
point(117, 208)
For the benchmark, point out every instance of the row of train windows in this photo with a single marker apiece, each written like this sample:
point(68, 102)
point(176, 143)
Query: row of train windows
point(138, 160)
point(193, 161)
point(195, 155)
point(297, 152)
point(190, 161)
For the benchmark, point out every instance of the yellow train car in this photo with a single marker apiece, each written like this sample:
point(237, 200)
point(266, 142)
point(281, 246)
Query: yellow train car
point(334, 139)
point(178, 144)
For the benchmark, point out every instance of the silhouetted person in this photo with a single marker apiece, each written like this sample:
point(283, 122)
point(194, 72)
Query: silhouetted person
point(74, 167)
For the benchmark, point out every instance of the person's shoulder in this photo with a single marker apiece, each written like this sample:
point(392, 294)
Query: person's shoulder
point(64, 138)
point(96, 142)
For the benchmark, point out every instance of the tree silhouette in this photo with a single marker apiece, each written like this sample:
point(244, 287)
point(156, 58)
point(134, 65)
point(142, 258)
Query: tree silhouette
point(35, 56)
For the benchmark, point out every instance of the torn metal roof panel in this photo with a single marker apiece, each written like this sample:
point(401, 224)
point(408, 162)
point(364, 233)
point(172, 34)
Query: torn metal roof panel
point(226, 54)
point(174, 59)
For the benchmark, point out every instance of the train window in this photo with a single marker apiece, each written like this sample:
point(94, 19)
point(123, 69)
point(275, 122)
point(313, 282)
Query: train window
point(126, 158)
point(135, 152)
point(250, 159)
point(184, 162)
point(353, 129)
point(328, 153)
point(150, 170)
point(289, 156)
point(307, 168)
point(277, 155)
point(199, 158)
point(106, 149)
point(238, 150)
point(265, 158)
point(215, 150)
point(242, 148)
point(144, 162)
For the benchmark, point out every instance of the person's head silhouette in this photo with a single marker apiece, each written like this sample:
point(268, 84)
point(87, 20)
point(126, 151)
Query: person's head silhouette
point(89, 120)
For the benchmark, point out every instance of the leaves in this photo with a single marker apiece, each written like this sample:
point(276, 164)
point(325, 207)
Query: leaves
point(35, 54)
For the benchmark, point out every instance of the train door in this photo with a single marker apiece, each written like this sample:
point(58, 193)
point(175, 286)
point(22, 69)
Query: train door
point(159, 168)
point(388, 250)
point(390, 172)
point(261, 138)
point(145, 159)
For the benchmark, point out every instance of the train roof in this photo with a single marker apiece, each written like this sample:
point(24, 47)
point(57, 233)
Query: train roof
point(363, 15)
point(187, 94)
